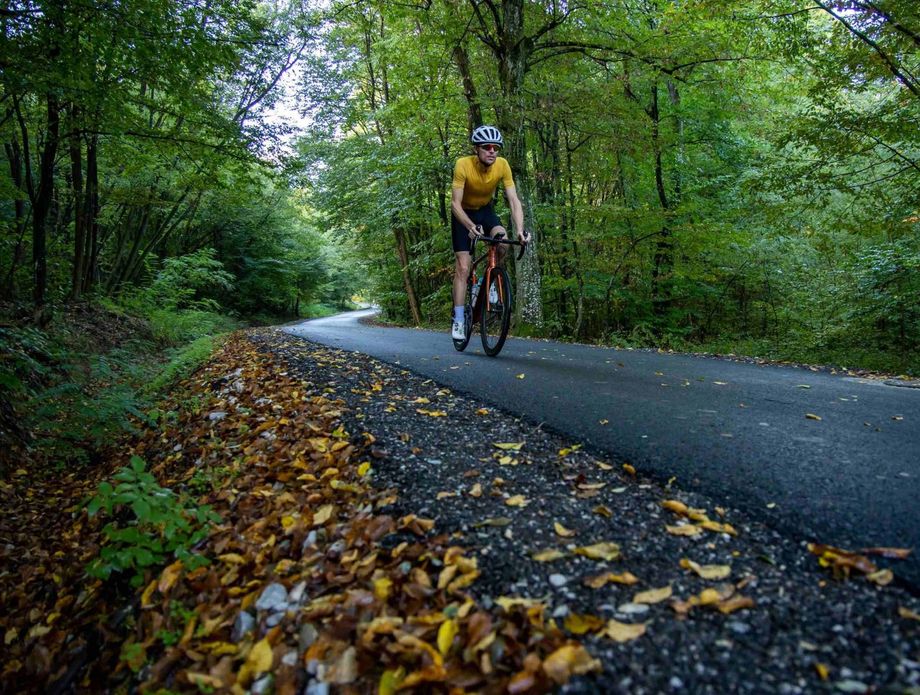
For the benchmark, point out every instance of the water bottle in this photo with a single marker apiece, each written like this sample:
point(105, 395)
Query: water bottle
point(476, 289)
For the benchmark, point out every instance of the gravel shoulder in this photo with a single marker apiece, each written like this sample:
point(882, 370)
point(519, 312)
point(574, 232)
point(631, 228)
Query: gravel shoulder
point(806, 632)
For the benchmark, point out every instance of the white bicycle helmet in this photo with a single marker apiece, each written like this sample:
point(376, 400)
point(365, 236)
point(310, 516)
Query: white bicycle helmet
point(487, 135)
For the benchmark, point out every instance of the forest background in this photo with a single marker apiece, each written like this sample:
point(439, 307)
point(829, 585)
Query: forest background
point(727, 176)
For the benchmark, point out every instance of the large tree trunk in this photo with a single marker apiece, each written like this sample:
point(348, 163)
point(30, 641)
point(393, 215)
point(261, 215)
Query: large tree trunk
point(664, 248)
point(79, 219)
point(14, 157)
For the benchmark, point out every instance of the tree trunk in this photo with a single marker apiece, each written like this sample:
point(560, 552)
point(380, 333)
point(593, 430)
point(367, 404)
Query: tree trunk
point(407, 280)
point(14, 157)
point(79, 218)
point(40, 210)
point(664, 252)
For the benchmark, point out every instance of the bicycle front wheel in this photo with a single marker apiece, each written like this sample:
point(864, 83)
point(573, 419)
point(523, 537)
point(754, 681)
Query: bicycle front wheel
point(495, 318)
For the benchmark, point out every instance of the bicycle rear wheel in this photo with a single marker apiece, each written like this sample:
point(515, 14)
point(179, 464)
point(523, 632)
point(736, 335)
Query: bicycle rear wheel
point(495, 318)
point(460, 345)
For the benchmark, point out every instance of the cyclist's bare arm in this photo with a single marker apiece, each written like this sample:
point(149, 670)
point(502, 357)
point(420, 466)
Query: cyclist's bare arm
point(517, 211)
point(456, 200)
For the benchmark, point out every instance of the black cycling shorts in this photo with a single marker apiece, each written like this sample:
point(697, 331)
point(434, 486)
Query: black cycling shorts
point(484, 216)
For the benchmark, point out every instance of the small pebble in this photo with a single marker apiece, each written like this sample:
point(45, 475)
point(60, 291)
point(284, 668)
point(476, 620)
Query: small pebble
point(273, 598)
point(557, 580)
point(633, 608)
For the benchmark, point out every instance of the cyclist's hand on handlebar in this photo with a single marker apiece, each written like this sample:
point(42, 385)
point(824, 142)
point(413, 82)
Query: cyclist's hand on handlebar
point(476, 232)
point(525, 237)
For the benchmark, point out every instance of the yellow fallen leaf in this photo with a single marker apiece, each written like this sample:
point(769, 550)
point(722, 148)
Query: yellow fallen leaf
point(446, 634)
point(169, 577)
point(567, 661)
point(611, 578)
point(603, 466)
point(145, 597)
point(653, 595)
point(812, 416)
point(508, 446)
point(482, 411)
point(204, 682)
point(323, 514)
point(364, 468)
point(259, 659)
point(623, 632)
point(516, 501)
point(520, 376)
point(431, 413)
point(908, 614)
point(684, 530)
point(603, 422)
point(706, 571)
point(383, 586)
point(603, 511)
point(580, 624)
point(735, 603)
point(421, 400)
point(600, 551)
point(444, 495)
point(390, 681)
point(548, 555)
point(562, 530)
point(505, 460)
point(882, 577)
point(717, 527)
point(12, 633)
point(476, 490)
point(823, 670)
point(675, 506)
point(629, 468)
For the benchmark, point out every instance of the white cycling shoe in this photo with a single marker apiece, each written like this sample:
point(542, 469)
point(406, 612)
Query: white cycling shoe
point(458, 332)
point(493, 295)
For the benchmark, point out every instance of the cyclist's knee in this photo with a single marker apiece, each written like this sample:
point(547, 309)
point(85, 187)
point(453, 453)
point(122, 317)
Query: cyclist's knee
point(462, 266)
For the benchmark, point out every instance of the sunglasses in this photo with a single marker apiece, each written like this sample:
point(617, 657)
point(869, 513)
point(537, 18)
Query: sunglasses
point(490, 148)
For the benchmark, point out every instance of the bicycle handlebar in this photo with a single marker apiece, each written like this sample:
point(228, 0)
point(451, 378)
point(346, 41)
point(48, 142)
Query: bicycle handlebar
point(503, 240)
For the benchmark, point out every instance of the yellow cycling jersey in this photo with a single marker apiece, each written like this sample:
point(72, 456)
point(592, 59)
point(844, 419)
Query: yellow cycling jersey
point(478, 182)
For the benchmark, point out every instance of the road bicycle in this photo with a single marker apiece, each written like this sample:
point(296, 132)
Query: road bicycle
point(491, 303)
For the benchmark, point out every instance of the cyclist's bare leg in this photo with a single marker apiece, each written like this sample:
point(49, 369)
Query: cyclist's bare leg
point(461, 273)
point(502, 249)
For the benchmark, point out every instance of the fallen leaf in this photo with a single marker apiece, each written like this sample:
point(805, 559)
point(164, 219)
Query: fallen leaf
point(890, 553)
point(364, 468)
point(259, 660)
point(629, 469)
point(706, 571)
point(653, 595)
point(323, 514)
point(882, 577)
point(601, 580)
point(517, 501)
point(567, 661)
point(580, 624)
point(391, 680)
point(600, 551)
point(548, 555)
point(735, 603)
point(562, 530)
point(812, 416)
point(476, 490)
point(169, 577)
point(603, 511)
point(520, 376)
point(509, 602)
point(908, 614)
point(444, 495)
point(823, 670)
point(482, 411)
point(494, 521)
point(603, 422)
point(686, 530)
point(508, 446)
point(717, 527)
point(603, 466)
point(623, 632)
point(446, 634)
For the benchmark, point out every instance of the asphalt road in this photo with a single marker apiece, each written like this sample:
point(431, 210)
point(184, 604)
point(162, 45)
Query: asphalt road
point(737, 432)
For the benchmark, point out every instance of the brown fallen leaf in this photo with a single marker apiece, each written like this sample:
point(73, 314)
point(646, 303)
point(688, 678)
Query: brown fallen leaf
point(908, 614)
point(603, 511)
point(476, 490)
point(890, 553)
point(630, 469)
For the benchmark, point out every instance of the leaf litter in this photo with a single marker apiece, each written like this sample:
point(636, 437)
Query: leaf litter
point(330, 509)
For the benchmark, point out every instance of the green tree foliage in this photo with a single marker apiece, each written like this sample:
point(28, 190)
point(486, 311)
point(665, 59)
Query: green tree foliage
point(695, 172)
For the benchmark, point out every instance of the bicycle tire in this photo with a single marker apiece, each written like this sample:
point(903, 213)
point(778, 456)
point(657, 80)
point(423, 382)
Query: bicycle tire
point(460, 345)
point(495, 319)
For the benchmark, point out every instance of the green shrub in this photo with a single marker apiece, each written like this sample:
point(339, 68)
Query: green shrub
point(149, 524)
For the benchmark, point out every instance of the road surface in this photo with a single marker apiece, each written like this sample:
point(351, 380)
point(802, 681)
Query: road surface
point(824, 457)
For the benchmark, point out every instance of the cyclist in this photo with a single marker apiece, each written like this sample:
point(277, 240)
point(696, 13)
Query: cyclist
point(475, 179)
